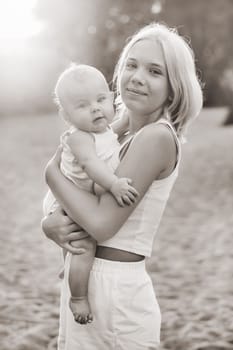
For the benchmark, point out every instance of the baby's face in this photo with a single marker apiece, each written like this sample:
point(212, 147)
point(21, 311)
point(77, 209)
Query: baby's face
point(90, 108)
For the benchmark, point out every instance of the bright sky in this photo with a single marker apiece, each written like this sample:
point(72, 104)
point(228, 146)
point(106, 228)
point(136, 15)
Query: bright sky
point(17, 23)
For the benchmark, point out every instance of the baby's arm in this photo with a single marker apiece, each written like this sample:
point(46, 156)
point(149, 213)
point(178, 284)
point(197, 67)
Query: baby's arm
point(83, 147)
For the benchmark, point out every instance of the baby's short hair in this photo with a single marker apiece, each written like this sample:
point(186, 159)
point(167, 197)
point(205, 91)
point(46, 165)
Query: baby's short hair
point(74, 74)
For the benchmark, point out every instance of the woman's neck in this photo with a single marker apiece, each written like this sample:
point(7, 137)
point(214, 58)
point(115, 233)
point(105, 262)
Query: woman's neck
point(137, 121)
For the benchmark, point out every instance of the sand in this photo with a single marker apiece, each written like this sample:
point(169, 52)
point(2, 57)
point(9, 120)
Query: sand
point(191, 266)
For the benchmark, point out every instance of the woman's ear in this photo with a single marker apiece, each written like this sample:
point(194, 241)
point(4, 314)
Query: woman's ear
point(111, 94)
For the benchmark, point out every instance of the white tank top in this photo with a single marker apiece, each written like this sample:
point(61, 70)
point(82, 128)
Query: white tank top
point(138, 232)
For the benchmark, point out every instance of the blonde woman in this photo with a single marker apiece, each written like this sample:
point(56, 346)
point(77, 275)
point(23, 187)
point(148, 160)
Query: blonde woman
point(158, 87)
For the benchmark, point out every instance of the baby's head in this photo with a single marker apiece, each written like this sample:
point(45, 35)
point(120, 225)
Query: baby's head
point(84, 98)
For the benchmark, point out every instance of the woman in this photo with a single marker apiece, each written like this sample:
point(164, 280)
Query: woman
point(157, 85)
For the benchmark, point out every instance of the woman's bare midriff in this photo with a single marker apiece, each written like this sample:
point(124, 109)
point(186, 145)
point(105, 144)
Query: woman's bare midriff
point(117, 254)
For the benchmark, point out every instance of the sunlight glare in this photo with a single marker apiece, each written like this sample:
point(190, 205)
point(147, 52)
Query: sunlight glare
point(17, 23)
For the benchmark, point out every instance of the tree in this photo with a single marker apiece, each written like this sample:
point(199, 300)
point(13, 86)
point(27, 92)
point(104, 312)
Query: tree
point(209, 25)
point(94, 32)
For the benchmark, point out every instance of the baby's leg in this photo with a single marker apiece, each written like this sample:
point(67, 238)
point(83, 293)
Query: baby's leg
point(61, 273)
point(80, 267)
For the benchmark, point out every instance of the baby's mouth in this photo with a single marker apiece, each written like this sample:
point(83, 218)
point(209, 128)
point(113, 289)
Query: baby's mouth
point(99, 118)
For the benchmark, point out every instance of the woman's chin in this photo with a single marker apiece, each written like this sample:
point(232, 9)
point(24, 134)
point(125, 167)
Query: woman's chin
point(135, 107)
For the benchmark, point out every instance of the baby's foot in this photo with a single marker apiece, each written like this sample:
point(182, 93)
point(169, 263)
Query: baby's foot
point(81, 309)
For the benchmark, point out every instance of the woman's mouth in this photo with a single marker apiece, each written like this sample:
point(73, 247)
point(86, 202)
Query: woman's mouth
point(133, 91)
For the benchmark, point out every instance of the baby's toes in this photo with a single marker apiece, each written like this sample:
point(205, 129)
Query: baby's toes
point(79, 319)
point(90, 318)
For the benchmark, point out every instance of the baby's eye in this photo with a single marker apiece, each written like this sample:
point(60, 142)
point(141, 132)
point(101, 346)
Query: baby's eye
point(101, 98)
point(82, 105)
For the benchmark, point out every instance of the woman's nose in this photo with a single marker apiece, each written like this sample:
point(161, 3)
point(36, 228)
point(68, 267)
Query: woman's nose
point(138, 77)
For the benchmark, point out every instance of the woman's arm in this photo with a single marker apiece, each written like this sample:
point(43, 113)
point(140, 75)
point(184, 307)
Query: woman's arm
point(151, 152)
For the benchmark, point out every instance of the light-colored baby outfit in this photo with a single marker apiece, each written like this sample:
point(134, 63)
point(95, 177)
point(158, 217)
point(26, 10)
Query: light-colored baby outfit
point(107, 149)
point(121, 295)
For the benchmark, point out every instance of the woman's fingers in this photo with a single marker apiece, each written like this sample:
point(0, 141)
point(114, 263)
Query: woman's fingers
point(73, 250)
point(60, 228)
point(74, 236)
point(67, 221)
point(74, 227)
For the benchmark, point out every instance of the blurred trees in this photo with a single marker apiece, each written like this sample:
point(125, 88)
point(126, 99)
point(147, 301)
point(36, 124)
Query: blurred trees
point(209, 25)
point(27, 81)
point(94, 32)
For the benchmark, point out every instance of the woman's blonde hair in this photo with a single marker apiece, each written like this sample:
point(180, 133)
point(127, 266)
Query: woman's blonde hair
point(185, 100)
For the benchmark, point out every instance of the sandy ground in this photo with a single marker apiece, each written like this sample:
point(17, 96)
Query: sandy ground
point(191, 266)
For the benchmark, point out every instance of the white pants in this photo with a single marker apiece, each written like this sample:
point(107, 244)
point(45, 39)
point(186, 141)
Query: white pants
point(125, 310)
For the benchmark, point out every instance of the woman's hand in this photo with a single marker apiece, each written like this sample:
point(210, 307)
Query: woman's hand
point(63, 230)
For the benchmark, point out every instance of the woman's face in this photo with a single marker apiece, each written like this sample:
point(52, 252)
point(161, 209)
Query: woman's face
point(144, 84)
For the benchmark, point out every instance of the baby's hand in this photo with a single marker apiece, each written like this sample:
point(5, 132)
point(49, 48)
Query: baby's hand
point(123, 192)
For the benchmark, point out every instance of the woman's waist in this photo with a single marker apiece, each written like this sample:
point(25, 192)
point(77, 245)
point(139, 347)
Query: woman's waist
point(115, 254)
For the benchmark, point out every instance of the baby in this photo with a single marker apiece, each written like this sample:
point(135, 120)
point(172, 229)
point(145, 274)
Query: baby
point(90, 155)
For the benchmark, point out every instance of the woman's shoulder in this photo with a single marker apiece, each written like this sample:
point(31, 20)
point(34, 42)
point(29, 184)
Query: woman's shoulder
point(157, 142)
point(157, 133)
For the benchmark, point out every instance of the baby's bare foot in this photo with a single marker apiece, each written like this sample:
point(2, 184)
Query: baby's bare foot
point(81, 310)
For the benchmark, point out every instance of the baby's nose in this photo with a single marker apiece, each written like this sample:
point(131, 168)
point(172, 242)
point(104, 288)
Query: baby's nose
point(95, 107)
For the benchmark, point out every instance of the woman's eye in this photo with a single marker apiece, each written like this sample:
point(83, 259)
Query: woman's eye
point(130, 65)
point(155, 71)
